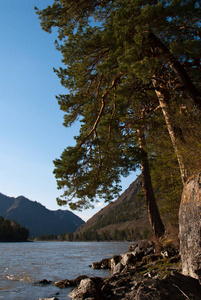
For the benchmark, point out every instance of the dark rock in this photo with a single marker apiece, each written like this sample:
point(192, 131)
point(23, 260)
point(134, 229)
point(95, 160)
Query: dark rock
point(175, 286)
point(175, 258)
point(149, 258)
point(43, 282)
point(103, 264)
point(132, 247)
point(96, 265)
point(130, 284)
point(138, 253)
point(149, 250)
point(70, 283)
point(190, 227)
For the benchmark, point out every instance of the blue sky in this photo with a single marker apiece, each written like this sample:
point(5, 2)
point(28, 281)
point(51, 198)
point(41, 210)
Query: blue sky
point(31, 130)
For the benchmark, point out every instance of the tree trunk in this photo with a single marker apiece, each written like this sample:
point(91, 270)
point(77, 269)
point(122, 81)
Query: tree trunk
point(157, 226)
point(179, 71)
point(163, 98)
point(156, 223)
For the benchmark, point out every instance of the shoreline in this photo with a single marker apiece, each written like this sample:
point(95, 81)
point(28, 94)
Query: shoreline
point(136, 274)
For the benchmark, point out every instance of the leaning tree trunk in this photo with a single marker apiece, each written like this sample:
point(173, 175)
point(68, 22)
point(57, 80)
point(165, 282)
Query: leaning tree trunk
point(178, 69)
point(157, 226)
point(163, 98)
point(156, 223)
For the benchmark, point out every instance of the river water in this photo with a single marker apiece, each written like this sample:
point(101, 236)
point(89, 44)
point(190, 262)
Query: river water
point(23, 264)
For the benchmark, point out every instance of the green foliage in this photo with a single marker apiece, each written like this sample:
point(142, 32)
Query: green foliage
point(110, 60)
point(127, 211)
point(53, 237)
point(165, 171)
point(48, 237)
point(115, 235)
point(10, 231)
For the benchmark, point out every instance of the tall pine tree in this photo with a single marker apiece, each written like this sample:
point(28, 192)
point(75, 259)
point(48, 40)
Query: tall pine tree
point(115, 54)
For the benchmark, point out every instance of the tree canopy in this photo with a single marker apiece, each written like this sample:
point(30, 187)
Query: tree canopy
point(10, 231)
point(112, 53)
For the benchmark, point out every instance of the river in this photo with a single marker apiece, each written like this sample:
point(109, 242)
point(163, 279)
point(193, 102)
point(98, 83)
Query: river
point(23, 264)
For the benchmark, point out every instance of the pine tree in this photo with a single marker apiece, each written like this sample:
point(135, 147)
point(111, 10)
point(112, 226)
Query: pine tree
point(112, 52)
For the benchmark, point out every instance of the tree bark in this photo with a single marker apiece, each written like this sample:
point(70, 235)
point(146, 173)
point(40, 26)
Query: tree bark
point(163, 98)
point(179, 71)
point(156, 223)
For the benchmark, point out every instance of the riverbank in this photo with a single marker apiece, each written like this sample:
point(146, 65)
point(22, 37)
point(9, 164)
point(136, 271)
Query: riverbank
point(140, 273)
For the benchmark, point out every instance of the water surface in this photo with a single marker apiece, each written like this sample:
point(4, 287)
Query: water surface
point(22, 264)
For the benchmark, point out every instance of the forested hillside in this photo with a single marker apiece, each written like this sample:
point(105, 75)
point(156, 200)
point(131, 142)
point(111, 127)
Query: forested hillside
point(125, 218)
point(10, 231)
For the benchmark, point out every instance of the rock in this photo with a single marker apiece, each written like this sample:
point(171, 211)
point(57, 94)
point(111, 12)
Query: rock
point(165, 254)
point(70, 283)
point(175, 286)
point(127, 258)
point(43, 282)
point(103, 264)
point(190, 227)
point(138, 253)
point(117, 269)
point(150, 258)
point(149, 250)
point(86, 286)
point(114, 261)
point(96, 265)
point(132, 247)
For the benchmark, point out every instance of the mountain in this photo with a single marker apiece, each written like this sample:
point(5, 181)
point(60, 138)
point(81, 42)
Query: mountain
point(122, 219)
point(36, 217)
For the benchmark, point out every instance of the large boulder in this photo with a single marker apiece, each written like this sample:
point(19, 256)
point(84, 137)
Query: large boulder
point(173, 287)
point(85, 289)
point(190, 227)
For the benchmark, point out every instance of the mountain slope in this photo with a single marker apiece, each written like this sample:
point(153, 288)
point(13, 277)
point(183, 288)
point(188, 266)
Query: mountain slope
point(127, 213)
point(36, 217)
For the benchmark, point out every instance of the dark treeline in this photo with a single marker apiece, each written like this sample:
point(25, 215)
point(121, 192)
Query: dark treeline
point(53, 237)
point(10, 231)
point(116, 235)
point(93, 235)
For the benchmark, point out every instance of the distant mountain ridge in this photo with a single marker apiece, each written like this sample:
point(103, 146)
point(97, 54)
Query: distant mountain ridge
point(127, 213)
point(36, 217)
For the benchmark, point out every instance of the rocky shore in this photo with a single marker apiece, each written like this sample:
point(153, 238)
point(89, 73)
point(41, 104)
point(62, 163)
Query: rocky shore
point(144, 272)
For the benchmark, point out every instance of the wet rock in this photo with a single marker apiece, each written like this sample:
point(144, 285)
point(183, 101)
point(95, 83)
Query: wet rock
point(69, 283)
point(103, 264)
point(190, 227)
point(43, 282)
